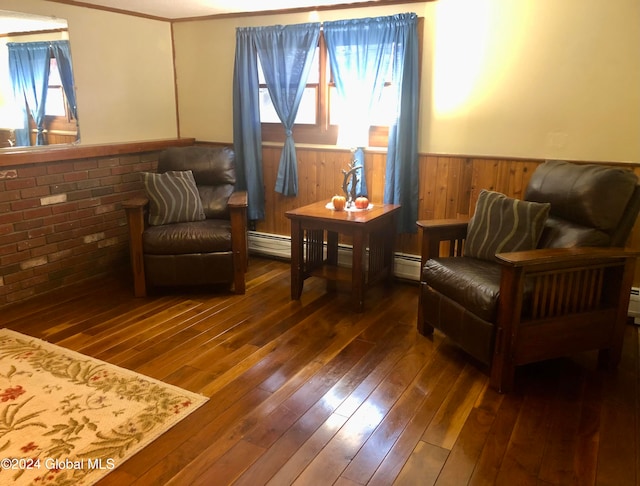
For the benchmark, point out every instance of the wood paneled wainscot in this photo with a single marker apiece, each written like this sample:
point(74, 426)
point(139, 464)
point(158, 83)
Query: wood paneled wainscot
point(449, 186)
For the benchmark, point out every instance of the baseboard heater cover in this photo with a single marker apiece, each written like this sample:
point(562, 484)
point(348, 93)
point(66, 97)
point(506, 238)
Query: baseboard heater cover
point(406, 266)
point(634, 305)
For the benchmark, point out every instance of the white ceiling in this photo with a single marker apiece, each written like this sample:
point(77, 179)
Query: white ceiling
point(181, 9)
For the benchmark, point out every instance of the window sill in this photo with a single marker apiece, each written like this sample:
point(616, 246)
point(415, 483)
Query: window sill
point(312, 146)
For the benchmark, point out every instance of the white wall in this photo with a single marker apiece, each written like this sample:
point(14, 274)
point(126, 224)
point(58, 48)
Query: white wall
point(512, 78)
point(536, 78)
point(123, 68)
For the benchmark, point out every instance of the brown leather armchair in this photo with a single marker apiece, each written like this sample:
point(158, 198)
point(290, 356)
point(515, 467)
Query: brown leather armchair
point(208, 251)
point(570, 294)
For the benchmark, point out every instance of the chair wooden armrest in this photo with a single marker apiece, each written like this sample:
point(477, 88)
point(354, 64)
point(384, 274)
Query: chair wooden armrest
point(238, 199)
point(434, 232)
point(443, 224)
point(135, 209)
point(135, 203)
point(238, 210)
point(560, 256)
point(579, 301)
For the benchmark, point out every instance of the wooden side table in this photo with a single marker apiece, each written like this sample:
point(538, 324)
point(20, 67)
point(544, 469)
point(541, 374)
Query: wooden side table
point(374, 228)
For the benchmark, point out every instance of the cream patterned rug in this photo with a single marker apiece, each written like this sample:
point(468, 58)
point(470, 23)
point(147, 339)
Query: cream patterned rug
point(66, 418)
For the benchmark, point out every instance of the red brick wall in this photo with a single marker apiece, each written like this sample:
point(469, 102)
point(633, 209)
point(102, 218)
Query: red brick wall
point(62, 222)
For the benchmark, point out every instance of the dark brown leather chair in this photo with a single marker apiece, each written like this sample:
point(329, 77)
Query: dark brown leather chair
point(571, 294)
point(209, 251)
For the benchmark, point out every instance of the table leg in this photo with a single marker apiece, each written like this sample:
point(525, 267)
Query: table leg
point(297, 263)
point(390, 250)
point(332, 257)
point(332, 248)
point(357, 271)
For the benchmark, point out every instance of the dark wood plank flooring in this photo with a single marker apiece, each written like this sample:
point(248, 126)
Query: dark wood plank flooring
point(311, 393)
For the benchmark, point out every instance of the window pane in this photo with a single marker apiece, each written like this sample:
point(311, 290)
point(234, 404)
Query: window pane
point(267, 111)
point(334, 117)
point(306, 112)
point(55, 103)
point(55, 98)
point(314, 73)
point(383, 113)
point(54, 74)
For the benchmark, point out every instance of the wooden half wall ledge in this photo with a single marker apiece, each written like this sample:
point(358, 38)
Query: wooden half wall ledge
point(51, 153)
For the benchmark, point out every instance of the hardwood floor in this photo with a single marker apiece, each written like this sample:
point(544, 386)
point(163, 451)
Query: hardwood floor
point(309, 392)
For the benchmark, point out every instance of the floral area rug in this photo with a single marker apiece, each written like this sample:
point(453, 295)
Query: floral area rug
point(66, 418)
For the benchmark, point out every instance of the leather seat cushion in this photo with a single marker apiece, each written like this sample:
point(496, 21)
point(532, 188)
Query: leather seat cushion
point(208, 236)
point(472, 283)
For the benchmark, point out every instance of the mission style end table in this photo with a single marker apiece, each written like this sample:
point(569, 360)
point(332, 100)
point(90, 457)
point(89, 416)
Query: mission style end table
point(374, 228)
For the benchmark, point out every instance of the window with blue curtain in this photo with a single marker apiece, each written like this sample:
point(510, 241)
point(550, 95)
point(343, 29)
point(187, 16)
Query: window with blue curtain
point(29, 65)
point(363, 54)
point(360, 54)
point(29, 70)
point(62, 53)
point(286, 54)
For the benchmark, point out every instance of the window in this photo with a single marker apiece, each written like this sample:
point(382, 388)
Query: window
point(41, 75)
point(399, 33)
point(315, 121)
point(59, 121)
point(312, 121)
point(308, 110)
point(59, 124)
point(56, 103)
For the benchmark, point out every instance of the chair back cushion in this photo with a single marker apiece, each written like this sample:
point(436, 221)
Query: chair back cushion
point(560, 233)
point(503, 224)
point(591, 198)
point(213, 170)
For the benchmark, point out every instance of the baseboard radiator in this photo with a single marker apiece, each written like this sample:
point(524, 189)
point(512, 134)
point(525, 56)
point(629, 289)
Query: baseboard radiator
point(634, 305)
point(406, 267)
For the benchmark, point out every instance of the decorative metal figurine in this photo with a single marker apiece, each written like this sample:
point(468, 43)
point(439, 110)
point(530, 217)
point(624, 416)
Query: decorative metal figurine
point(352, 173)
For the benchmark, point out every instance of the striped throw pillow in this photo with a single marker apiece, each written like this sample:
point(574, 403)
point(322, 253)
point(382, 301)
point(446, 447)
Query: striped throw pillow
point(173, 197)
point(502, 224)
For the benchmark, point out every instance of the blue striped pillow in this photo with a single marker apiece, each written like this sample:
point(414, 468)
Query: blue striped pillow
point(173, 197)
point(502, 224)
